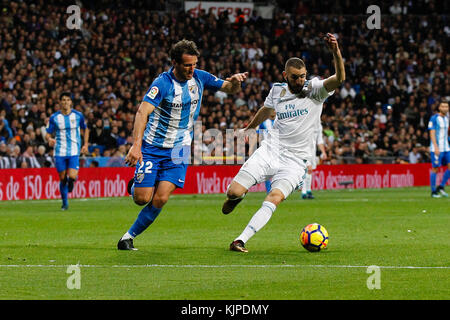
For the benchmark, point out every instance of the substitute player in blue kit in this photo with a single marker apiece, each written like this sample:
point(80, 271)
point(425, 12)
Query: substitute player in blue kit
point(68, 125)
point(163, 131)
point(439, 148)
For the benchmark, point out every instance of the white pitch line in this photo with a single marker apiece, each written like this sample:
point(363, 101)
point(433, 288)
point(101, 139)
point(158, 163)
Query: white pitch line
point(213, 266)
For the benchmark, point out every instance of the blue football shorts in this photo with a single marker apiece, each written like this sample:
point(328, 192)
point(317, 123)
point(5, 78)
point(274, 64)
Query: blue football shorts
point(64, 163)
point(442, 160)
point(161, 164)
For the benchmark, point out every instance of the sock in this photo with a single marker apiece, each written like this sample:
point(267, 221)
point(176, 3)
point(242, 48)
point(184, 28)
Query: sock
point(63, 189)
point(268, 183)
point(259, 220)
point(306, 184)
point(145, 218)
point(127, 236)
point(433, 181)
point(308, 181)
point(445, 178)
point(70, 184)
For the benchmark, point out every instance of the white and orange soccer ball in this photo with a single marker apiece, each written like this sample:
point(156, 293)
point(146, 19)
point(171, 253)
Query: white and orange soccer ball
point(314, 237)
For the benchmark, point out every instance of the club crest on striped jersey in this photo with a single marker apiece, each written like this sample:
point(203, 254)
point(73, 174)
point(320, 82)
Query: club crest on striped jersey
point(193, 89)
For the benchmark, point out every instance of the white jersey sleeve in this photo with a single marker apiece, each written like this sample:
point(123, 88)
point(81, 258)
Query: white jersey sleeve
point(317, 91)
point(270, 101)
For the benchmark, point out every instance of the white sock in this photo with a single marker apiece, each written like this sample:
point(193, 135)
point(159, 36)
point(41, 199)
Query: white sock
point(259, 220)
point(127, 236)
point(307, 184)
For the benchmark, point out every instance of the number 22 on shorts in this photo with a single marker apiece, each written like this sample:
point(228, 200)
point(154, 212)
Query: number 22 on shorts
point(145, 167)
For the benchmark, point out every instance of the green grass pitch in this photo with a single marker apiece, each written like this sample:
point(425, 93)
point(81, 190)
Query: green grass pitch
point(184, 254)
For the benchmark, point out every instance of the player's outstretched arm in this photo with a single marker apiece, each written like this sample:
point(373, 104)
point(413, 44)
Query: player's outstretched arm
point(135, 154)
point(261, 115)
point(232, 84)
point(338, 78)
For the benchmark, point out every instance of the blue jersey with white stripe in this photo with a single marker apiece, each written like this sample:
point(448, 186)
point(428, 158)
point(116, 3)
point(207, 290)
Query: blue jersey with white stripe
point(440, 125)
point(67, 130)
point(265, 126)
point(177, 106)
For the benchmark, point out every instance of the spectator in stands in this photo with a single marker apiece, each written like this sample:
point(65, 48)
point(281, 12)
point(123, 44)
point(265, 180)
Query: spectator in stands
point(44, 160)
point(402, 64)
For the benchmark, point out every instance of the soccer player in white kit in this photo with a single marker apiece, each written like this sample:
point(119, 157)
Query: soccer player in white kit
point(284, 154)
point(318, 143)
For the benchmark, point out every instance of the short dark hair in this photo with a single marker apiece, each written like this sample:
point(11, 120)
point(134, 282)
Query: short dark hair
point(183, 47)
point(294, 62)
point(443, 100)
point(65, 94)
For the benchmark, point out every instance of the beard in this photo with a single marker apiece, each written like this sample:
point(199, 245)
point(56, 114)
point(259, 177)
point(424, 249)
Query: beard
point(295, 89)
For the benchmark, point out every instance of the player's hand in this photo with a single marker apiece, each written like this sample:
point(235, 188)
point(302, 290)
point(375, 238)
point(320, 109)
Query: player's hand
point(331, 42)
point(238, 78)
point(84, 149)
point(51, 142)
point(323, 155)
point(134, 156)
point(436, 152)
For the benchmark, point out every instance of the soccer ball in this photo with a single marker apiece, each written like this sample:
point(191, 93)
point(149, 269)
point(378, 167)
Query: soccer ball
point(314, 237)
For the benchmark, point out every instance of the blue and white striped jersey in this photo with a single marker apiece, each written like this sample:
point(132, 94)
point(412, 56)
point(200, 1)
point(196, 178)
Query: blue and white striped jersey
point(177, 107)
point(440, 124)
point(265, 127)
point(67, 130)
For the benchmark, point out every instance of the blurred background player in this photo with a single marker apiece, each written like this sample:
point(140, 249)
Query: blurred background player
point(68, 125)
point(439, 148)
point(282, 156)
point(163, 131)
point(263, 129)
point(318, 143)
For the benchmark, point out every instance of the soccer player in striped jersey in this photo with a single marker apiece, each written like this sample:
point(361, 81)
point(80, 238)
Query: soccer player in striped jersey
point(439, 148)
point(68, 125)
point(163, 131)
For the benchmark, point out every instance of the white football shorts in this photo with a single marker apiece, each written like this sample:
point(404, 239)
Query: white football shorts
point(286, 171)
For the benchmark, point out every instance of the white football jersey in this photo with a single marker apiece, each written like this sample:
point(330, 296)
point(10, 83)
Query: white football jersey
point(297, 117)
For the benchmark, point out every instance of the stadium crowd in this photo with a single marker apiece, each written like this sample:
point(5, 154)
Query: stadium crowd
point(395, 75)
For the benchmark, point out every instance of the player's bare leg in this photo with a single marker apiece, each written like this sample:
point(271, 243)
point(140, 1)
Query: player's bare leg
point(143, 196)
point(235, 194)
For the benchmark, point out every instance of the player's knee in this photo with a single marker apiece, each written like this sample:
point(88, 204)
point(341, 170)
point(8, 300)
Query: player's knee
point(142, 199)
point(160, 200)
point(275, 196)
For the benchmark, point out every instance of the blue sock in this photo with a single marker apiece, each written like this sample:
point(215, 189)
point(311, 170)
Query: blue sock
point(445, 178)
point(433, 181)
point(64, 190)
point(267, 183)
point(144, 219)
